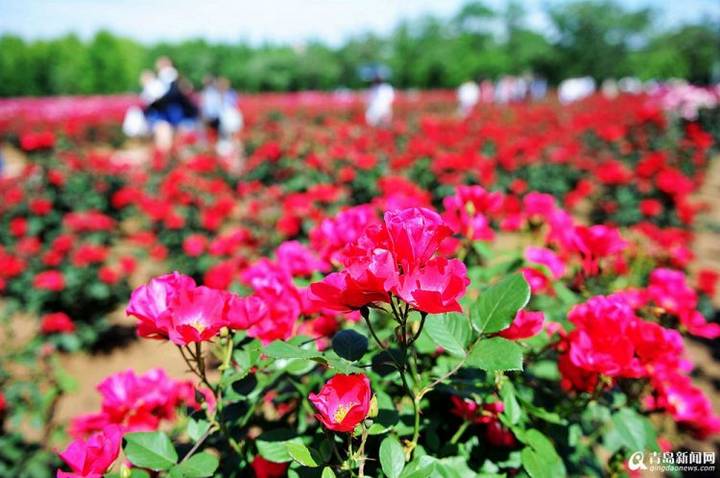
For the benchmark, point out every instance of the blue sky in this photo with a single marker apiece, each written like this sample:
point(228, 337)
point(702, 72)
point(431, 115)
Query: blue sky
point(287, 21)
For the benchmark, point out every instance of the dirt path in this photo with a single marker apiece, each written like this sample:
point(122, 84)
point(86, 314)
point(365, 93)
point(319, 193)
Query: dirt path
point(707, 239)
point(706, 246)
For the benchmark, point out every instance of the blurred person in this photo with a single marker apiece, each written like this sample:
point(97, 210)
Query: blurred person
point(609, 88)
point(468, 95)
point(575, 89)
point(487, 91)
point(231, 122)
point(630, 84)
point(139, 120)
point(504, 89)
point(210, 105)
point(166, 72)
point(231, 119)
point(652, 86)
point(379, 105)
point(521, 88)
point(174, 108)
point(538, 88)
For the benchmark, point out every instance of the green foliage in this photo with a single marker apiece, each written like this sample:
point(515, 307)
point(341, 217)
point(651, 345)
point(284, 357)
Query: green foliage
point(201, 465)
point(392, 457)
point(600, 38)
point(496, 354)
point(539, 457)
point(152, 450)
point(303, 455)
point(499, 303)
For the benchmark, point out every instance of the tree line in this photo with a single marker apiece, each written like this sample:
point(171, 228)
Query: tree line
point(600, 38)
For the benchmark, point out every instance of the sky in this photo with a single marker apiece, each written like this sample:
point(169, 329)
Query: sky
point(257, 21)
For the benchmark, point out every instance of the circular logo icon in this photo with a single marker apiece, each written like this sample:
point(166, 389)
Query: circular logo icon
point(635, 462)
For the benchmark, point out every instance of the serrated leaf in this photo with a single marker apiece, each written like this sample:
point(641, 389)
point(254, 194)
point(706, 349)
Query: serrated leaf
point(392, 457)
point(495, 354)
point(633, 430)
point(303, 455)
point(196, 428)
point(284, 350)
point(350, 345)
point(511, 405)
point(498, 304)
point(201, 465)
point(449, 331)
point(539, 458)
point(152, 450)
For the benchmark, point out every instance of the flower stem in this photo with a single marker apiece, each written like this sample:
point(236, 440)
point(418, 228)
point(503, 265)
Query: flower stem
point(366, 315)
point(459, 432)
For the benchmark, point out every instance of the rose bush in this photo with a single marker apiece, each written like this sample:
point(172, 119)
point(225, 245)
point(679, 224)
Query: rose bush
point(441, 298)
point(414, 333)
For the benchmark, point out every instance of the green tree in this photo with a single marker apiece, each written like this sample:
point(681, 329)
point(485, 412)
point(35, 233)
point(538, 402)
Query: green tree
point(115, 63)
point(595, 37)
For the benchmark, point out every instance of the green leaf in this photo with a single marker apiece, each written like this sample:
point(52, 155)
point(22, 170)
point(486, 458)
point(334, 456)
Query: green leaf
point(541, 413)
point(284, 350)
point(196, 428)
point(534, 464)
point(272, 445)
point(350, 345)
point(303, 455)
point(496, 354)
point(327, 473)
point(539, 458)
point(449, 331)
point(152, 450)
point(511, 405)
point(392, 457)
point(201, 465)
point(633, 430)
point(138, 473)
point(421, 467)
point(498, 304)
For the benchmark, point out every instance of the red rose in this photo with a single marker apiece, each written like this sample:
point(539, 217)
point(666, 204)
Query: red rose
point(650, 207)
point(18, 226)
point(57, 323)
point(343, 402)
point(194, 245)
point(707, 281)
point(40, 206)
point(108, 275)
point(50, 280)
point(268, 469)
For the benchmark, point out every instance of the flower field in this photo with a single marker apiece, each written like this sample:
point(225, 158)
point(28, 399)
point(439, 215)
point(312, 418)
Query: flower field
point(516, 293)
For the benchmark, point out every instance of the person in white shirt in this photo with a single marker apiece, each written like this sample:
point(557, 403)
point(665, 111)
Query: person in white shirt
point(380, 100)
point(468, 95)
point(211, 104)
point(575, 89)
